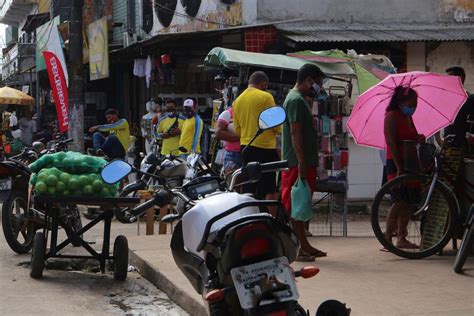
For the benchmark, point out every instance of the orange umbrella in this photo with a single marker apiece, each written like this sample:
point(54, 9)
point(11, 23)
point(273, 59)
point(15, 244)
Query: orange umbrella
point(12, 96)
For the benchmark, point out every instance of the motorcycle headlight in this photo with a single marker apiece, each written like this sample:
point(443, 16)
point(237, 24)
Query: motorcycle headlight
point(144, 166)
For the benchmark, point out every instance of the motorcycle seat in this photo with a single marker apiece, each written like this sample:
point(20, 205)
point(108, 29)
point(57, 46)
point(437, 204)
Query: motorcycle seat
point(221, 231)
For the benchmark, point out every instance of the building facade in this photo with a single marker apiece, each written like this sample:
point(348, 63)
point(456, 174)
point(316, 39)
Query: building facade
point(427, 35)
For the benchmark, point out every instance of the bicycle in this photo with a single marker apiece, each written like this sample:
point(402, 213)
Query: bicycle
point(434, 207)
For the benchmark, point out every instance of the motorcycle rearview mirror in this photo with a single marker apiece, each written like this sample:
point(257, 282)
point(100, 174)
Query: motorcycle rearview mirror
point(115, 171)
point(271, 117)
point(268, 119)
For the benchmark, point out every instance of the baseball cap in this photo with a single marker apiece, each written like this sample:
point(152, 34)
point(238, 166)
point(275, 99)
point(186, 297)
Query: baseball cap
point(188, 103)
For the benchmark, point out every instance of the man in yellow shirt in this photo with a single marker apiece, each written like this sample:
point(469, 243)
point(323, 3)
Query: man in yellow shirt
point(116, 144)
point(169, 129)
point(190, 141)
point(247, 108)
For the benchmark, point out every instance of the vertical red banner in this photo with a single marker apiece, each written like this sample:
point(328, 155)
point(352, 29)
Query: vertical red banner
point(57, 80)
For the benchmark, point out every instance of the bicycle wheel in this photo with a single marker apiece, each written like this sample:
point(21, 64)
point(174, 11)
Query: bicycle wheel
point(428, 231)
point(464, 249)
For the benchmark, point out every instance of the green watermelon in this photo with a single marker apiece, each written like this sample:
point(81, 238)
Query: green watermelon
point(41, 187)
point(51, 181)
point(73, 184)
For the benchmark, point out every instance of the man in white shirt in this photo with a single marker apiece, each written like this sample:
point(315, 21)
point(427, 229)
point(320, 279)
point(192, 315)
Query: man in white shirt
point(28, 128)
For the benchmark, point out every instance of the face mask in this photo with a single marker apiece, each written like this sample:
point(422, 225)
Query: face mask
point(323, 96)
point(407, 111)
point(314, 90)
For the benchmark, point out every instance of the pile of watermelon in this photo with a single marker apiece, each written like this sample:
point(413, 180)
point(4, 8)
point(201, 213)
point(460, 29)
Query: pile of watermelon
point(70, 174)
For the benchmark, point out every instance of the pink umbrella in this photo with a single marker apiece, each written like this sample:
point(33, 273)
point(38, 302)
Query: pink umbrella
point(440, 97)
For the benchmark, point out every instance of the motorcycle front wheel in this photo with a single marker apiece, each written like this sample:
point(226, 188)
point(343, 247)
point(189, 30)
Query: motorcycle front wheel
point(19, 231)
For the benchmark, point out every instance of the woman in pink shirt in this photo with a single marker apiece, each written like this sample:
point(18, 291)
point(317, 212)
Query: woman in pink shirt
point(225, 132)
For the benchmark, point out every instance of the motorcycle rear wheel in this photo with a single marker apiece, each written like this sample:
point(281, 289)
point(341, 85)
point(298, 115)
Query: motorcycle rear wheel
point(18, 232)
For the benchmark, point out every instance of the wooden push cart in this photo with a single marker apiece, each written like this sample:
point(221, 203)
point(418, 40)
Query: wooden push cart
point(52, 221)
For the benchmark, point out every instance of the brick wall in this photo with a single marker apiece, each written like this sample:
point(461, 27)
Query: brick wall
point(257, 39)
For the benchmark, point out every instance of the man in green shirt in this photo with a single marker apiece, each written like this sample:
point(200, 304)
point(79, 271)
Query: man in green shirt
point(300, 146)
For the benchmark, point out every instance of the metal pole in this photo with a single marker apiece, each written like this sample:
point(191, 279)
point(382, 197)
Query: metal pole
point(38, 94)
point(31, 82)
point(76, 84)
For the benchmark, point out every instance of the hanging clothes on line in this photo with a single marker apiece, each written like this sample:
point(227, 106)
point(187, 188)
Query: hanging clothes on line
point(148, 71)
point(139, 67)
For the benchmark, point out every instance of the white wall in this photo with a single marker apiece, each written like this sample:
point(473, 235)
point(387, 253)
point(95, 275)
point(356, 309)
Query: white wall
point(241, 12)
point(365, 172)
point(368, 11)
point(249, 11)
point(443, 55)
point(416, 56)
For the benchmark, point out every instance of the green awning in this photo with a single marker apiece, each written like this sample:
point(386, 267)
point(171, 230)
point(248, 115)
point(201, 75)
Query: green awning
point(369, 69)
point(233, 59)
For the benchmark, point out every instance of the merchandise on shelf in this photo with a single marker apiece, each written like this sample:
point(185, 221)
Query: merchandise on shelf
point(331, 112)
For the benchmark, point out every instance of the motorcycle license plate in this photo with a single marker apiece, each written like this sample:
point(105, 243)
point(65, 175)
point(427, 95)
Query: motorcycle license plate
point(265, 283)
point(5, 184)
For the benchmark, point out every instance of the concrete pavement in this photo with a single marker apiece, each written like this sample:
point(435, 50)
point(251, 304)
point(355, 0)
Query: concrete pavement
point(77, 292)
point(369, 281)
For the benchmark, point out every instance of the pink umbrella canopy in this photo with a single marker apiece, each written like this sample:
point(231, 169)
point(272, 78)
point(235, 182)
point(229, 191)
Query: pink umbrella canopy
point(440, 97)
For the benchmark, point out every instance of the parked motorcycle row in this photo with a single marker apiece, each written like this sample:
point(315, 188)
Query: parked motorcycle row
point(230, 248)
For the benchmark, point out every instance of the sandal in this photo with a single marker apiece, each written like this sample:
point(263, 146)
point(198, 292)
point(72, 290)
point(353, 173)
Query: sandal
point(317, 253)
point(305, 257)
point(407, 245)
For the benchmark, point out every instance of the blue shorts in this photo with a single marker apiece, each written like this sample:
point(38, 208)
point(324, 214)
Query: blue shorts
point(232, 160)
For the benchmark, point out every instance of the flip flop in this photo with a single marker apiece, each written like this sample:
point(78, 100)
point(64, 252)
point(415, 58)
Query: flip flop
point(317, 253)
point(305, 257)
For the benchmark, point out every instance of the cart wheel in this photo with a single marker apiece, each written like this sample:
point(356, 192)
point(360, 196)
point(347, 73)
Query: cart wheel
point(38, 256)
point(120, 258)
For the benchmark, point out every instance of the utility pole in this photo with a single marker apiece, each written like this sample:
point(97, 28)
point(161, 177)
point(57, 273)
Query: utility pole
point(76, 81)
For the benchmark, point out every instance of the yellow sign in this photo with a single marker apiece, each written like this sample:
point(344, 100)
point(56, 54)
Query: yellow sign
point(98, 49)
point(216, 104)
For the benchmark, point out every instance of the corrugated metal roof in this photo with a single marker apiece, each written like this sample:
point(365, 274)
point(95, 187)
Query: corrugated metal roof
point(317, 32)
